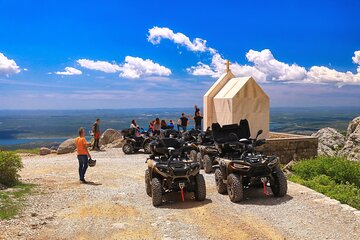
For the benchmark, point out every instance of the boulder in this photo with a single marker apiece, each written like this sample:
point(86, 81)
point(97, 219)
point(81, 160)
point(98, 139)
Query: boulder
point(68, 146)
point(118, 143)
point(330, 141)
point(45, 151)
point(351, 148)
point(109, 136)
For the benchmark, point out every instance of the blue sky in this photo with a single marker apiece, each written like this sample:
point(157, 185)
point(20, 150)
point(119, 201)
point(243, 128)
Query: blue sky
point(112, 54)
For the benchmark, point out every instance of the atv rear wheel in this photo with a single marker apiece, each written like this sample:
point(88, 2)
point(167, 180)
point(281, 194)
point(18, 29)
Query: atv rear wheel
point(199, 158)
point(200, 190)
point(128, 148)
point(207, 161)
point(193, 155)
point(147, 182)
point(235, 187)
point(147, 148)
point(220, 185)
point(279, 183)
point(156, 190)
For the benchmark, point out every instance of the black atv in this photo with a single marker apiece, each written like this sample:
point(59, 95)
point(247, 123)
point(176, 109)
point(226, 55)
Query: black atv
point(206, 151)
point(134, 143)
point(170, 170)
point(241, 166)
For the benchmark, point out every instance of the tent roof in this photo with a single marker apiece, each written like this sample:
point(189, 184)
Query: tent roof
point(214, 87)
point(234, 85)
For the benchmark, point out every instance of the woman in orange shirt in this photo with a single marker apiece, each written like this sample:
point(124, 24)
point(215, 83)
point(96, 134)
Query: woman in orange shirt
point(83, 154)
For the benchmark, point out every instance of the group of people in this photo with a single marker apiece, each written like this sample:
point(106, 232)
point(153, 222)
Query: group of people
point(155, 126)
point(182, 124)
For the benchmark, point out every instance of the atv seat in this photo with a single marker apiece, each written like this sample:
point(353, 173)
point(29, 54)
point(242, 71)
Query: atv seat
point(225, 134)
point(231, 133)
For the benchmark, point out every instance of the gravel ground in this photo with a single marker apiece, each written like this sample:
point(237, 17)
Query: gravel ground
point(115, 206)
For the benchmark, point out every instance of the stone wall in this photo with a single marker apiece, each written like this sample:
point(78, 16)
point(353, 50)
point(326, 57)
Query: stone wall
point(290, 147)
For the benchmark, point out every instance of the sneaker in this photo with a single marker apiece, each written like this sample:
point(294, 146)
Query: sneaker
point(83, 181)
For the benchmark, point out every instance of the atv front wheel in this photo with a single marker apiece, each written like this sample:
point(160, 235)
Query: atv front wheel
point(235, 187)
point(156, 190)
point(200, 190)
point(207, 161)
point(220, 185)
point(199, 159)
point(128, 148)
point(279, 183)
point(147, 148)
point(147, 182)
point(193, 155)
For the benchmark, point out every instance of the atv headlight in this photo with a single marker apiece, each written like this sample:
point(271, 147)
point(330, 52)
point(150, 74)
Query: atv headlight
point(241, 166)
point(273, 162)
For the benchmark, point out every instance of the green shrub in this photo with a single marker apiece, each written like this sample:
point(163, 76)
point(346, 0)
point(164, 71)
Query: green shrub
point(12, 201)
point(335, 177)
point(10, 164)
point(338, 169)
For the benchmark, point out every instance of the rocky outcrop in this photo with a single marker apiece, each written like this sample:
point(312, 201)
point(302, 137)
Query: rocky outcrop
point(67, 146)
point(109, 136)
point(351, 149)
point(118, 143)
point(45, 151)
point(330, 141)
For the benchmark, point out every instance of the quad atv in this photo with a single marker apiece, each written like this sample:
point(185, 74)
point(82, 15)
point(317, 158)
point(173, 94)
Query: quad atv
point(241, 166)
point(206, 151)
point(170, 170)
point(136, 140)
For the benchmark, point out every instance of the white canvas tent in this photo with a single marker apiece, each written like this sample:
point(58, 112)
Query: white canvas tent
point(209, 108)
point(242, 98)
point(231, 99)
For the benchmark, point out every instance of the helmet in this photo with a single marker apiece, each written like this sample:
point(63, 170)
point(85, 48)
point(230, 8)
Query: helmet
point(92, 163)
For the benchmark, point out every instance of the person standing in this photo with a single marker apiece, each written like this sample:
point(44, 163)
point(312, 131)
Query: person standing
point(197, 120)
point(83, 154)
point(197, 110)
point(96, 131)
point(183, 122)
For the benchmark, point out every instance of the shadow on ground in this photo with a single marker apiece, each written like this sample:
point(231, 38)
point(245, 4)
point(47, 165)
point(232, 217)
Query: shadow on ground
point(173, 201)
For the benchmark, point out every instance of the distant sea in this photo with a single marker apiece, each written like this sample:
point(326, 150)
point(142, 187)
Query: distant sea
point(34, 128)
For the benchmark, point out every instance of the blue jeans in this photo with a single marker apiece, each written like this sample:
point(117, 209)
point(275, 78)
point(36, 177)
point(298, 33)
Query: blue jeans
point(183, 128)
point(83, 165)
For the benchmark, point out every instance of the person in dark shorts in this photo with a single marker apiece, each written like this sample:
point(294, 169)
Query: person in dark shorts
point(96, 131)
point(197, 120)
point(83, 154)
point(183, 122)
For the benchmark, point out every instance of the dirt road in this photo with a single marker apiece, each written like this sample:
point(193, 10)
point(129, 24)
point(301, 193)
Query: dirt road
point(116, 206)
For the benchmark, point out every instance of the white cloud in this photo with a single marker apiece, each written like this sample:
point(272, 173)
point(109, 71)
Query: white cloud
point(135, 67)
point(323, 74)
point(275, 70)
point(69, 71)
point(356, 57)
point(99, 65)
point(8, 66)
point(132, 68)
point(158, 33)
point(262, 64)
point(217, 67)
point(268, 69)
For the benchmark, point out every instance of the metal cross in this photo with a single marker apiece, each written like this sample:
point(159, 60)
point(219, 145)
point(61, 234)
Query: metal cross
point(227, 64)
